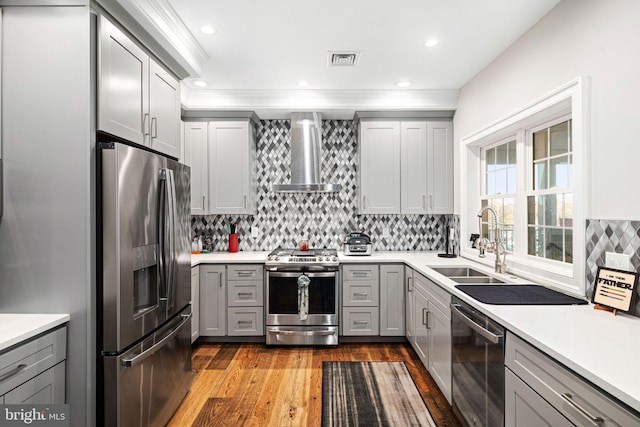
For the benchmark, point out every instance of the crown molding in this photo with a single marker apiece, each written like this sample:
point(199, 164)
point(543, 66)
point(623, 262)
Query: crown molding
point(164, 25)
point(276, 104)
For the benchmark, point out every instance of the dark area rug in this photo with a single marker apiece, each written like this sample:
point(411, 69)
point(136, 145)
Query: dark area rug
point(371, 394)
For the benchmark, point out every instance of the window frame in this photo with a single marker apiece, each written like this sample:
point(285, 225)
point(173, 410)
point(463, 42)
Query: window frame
point(568, 100)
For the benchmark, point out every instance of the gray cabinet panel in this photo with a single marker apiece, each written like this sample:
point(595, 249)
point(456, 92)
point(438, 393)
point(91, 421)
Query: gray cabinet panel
point(45, 388)
point(360, 321)
point(245, 321)
point(392, 300)
point(213, 301)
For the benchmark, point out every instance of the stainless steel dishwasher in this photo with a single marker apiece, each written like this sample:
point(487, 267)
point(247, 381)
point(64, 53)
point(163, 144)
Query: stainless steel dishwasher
point(477, 367)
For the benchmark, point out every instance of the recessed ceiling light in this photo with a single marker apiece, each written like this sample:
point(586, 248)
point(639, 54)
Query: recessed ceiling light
point(302, 83)
point(431, 42)
point(207, 29)
point(404, 83)
point(200, 83)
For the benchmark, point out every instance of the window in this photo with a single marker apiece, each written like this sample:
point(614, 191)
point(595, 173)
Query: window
point(543, 213)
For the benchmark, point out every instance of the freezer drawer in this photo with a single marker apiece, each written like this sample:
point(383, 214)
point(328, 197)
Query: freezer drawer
point(145, 385)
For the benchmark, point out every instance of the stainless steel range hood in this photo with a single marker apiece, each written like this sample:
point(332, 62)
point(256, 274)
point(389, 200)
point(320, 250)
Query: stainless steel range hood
point(306, 156)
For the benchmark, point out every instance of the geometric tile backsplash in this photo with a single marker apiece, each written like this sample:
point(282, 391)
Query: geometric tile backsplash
point(283, 219)
point(611, 236)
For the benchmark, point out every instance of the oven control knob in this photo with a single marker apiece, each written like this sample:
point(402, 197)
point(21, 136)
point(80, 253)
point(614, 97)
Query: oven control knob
point(270, 258)
point(334, 258)
point(320, 259)
point(277, 258)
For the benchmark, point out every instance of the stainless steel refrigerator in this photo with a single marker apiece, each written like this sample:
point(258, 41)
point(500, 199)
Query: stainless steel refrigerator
point(144, 285)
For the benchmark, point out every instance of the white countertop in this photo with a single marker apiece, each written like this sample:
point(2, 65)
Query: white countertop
point(595, 344)
point(15, 328)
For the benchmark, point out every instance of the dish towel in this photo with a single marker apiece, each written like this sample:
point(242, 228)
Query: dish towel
point(303, 296)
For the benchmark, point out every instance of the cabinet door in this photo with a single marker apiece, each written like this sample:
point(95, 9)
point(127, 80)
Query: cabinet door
point(413, 182)
point(523, 407)
point(440, 167)
point(195, 148)
point(420, 331)
point(195, 303)
point(123, 85)
point(439, 325)
point(212, 300)
point(392, 300)
point(164, 110)
point(408, 278)
point(379, 167)
point(229, 168)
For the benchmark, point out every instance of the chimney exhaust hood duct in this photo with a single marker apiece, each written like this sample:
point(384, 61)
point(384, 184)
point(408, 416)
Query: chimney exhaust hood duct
point(306, 156)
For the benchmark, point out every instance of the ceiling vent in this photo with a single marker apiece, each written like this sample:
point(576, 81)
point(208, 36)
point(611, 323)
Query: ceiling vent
point(343, 59)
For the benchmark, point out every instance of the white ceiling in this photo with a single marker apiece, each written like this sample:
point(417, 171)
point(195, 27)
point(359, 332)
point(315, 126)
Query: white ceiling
point(262, 48)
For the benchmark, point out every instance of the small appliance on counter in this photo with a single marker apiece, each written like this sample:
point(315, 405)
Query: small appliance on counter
point(448, 244)
point(357, 243)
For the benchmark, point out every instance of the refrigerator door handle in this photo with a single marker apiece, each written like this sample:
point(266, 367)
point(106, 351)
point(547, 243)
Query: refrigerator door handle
point(167, 224)
point(139, 358)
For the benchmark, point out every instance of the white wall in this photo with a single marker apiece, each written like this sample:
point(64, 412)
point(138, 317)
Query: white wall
point(595, 38)
point(45, 255)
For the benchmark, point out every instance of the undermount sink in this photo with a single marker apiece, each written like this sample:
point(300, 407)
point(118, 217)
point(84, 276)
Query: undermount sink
point(476, 279)
point(464, 274)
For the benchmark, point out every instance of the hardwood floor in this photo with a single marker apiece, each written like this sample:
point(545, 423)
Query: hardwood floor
point(254, 385)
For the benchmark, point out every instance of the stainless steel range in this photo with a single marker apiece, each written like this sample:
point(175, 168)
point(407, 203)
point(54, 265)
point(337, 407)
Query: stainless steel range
point(302, 297)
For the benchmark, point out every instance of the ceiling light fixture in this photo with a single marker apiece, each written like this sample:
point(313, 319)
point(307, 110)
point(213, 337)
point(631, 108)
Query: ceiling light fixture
point(200, 83)
point(404, 83)
point(431, 42)
point(207, 29)
point(302, 83)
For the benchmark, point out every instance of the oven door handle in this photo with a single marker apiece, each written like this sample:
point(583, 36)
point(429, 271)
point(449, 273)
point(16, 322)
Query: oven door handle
point(457, 311)
point(304, 333)
point(299, 273)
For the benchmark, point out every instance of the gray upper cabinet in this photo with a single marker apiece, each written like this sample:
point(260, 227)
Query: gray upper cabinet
point(137, 99)
point(195, 156)
point(406, 167)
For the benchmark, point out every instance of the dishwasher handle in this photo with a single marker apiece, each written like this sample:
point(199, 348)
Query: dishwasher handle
point(457, 311)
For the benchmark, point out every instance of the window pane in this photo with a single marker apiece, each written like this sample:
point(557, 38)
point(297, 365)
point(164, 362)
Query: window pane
point(559, 138)
point(512, 153)
point(567, 220)
point(540, 144)
point(568, 245)
point(511, 179)
point(536, 239)
point(501, 154)
point(551, 210)
point(554, 241)
point(540, 210)
point(491, 159)
point(540, 175)
point(509, 216)
point(559, 172)
point(507, 237)
point(501, 181)
point(491, 183)
point(531, 210)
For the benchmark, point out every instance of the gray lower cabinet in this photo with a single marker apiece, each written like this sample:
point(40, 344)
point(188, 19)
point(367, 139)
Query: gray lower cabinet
point(213, 301)
point(245, 300)
point(34, 372)
point(431, 328)
point(360, 300)
point(195, 303)
point(392, 300)
point(408, 279)
point(558, 389)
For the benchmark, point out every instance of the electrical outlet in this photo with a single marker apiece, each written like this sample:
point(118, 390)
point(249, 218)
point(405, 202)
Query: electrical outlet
point(386, 232)
point(255, 232)
point(617, 261)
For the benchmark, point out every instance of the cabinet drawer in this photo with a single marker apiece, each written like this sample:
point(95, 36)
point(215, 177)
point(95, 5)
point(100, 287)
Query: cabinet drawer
point(44, 389)
point(245, 272)
point(245, 321)
point(360, 272)
point(438, 296)
point(27, 360)
point(562, 388)
point(360, 294)
point(360, 321)
point(245, 294)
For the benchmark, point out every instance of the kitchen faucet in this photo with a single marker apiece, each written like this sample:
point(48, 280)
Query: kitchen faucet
point(485, 244)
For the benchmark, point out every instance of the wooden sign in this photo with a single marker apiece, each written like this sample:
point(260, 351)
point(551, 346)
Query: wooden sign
point(615, 289)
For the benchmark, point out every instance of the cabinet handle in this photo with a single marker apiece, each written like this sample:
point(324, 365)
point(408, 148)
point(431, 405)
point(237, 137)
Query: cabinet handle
point(359, 273)
point(409, 287)
point(431, 202)
point(360, 322)
point(220, 274)
point(145, 124)
point(13, 372)
point(203, 202)
point(245, 294)
point(361, 294)
point(567, 397)
point(245, 322)
point(154, 127)
point(428, 322)
point(245, 273)
point(244, 202)
point(424, 315)
point(364, 202)
point(424, 202)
